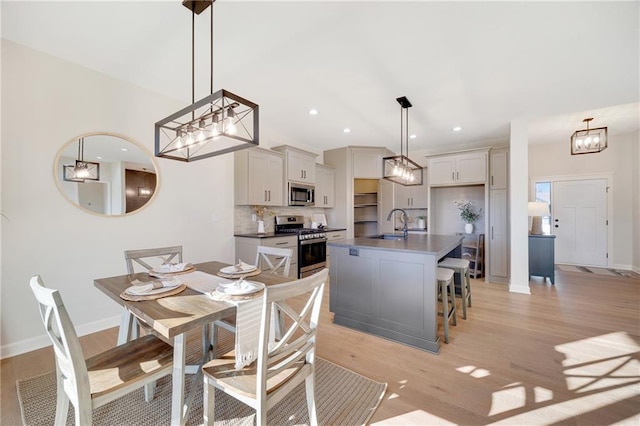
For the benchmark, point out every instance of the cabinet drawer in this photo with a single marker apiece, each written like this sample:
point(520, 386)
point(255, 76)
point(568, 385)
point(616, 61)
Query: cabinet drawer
point(283, 242)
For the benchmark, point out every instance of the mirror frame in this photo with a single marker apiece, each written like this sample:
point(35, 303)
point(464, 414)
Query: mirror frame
point(57, 178)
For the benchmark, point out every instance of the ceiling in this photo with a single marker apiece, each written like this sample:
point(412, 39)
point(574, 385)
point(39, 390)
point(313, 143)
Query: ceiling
point(478, 65)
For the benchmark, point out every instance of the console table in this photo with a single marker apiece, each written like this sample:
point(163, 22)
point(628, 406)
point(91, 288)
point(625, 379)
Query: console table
point(542, 256)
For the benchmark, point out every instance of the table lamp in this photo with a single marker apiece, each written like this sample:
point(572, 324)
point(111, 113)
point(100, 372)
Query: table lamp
point(536, 211)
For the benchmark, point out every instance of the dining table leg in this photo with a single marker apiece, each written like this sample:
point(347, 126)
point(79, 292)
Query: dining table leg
point(128, 327)
point(178, 409)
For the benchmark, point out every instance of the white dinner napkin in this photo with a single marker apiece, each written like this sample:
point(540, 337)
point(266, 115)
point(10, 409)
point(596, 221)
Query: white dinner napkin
point(172, 267)
point(241, 266)
point(139, 288)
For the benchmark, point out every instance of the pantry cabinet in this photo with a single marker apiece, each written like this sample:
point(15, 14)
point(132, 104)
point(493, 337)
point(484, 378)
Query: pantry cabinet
point(458, 169)
point(498, 239)
point(258, 177)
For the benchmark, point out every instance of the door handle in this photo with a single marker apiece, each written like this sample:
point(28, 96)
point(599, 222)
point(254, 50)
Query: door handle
point(269, 195)
point(265, 195)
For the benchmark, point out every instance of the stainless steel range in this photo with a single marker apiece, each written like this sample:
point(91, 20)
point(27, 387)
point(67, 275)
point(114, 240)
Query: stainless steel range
point(312, 244)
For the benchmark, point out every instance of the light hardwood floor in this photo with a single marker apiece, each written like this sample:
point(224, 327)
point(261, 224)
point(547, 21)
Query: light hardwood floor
point(566, 354)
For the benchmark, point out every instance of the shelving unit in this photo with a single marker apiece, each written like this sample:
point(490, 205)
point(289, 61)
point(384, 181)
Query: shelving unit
point(473, 251)
point(365, 207)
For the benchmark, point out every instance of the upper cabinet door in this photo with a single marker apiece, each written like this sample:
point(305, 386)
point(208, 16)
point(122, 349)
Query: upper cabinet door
point(442, 170)
point(458, 169)
point(471, 168)
point(258, 177)
point(367, 163)
point(498, 170)
point(301, 167)
point(325, 187)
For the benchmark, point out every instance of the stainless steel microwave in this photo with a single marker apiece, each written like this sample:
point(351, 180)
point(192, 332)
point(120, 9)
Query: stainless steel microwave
point(301, 194)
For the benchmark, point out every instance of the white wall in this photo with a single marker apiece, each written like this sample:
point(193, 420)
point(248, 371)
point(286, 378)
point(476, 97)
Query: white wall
point(635, 142)
point(620, 158)
point(45, 103)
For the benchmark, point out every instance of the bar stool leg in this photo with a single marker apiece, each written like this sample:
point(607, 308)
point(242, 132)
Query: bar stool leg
point(463, 290)
point(468, 287)
point(445, 310)
point(452, 292)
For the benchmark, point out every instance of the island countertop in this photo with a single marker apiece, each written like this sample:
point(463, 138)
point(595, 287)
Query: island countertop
point(437, 245)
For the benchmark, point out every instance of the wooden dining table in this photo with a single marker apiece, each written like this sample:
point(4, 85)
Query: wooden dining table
point(173, 316)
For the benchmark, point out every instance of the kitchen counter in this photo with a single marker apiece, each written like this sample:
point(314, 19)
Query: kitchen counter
point(437, 245)
point(273, 235)
point(388, 287)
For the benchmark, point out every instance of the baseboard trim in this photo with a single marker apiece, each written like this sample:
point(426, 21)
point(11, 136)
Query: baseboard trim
point(42, 341)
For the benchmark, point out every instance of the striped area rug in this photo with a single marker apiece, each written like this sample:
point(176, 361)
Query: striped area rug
point(598, 271)
point(343, 397)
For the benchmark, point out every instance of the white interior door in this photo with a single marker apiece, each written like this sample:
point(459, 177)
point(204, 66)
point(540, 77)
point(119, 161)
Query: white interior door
point(580, 221)
point(92, 195)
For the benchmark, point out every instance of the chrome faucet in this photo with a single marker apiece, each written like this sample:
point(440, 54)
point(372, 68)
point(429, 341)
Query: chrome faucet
point(405, 220)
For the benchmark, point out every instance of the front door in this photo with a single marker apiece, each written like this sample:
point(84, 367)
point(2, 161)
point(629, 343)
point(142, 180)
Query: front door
point(580, 221)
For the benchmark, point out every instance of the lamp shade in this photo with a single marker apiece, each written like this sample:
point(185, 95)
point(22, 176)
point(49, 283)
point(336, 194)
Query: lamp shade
point(538, 209)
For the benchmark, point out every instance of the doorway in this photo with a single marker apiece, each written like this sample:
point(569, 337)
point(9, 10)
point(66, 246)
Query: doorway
point(580, 208)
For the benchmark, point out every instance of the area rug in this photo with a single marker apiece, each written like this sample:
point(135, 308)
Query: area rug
point(342, 397)
point(598, 271)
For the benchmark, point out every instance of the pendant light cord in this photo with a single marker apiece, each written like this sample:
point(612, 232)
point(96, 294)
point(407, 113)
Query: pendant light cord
point(193, 61)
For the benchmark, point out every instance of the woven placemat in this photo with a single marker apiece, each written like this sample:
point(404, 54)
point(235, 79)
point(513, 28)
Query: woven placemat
point(135, 298)
point(238, 276)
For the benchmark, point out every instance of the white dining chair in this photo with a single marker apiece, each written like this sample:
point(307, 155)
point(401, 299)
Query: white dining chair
point(91, 383)
point(129, 325)
point(280, 369)
point(277, 261)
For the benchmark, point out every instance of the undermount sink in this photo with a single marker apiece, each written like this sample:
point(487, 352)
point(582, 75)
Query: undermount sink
point(389, 237)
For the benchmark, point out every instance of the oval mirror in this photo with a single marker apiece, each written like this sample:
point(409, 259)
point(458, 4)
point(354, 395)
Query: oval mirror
point(106, 174)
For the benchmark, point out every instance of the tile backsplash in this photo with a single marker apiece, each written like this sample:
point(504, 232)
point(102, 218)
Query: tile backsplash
point(244, 224)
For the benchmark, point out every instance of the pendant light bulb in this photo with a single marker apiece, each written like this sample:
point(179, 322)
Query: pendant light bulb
point(230, 127)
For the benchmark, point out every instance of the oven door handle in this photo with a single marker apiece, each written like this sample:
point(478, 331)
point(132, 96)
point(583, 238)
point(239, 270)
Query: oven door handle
point(314, 241)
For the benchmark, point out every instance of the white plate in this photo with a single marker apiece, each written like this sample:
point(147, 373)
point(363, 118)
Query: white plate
point(232, 270)
point(247, 287)
point(154, 291)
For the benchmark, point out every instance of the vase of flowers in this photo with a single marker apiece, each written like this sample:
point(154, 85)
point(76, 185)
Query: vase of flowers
point(468, 214)
point(261, 212)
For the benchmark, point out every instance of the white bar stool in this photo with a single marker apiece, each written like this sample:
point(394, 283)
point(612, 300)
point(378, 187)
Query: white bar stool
point(445, 285)
point(460, 266)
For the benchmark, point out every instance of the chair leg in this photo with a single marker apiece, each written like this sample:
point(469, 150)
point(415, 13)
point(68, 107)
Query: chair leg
point(209, 403)
point(311, 400)
point(149, 391)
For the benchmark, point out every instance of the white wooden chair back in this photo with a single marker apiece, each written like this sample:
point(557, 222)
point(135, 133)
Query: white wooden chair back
point(277, 259)
point(71, 369)
point(296, 346)
point(161, 255)
point(283, 362)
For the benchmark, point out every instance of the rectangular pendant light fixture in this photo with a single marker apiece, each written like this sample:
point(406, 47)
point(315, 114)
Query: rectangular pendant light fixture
point(588, 141)
point(220, 123)
point(400, 168)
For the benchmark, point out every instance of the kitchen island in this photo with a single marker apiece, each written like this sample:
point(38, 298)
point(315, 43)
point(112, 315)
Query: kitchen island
point(388, 287)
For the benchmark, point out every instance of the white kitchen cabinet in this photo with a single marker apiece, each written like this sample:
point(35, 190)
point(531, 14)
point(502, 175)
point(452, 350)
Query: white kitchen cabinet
point(458, 169)
point(247, 247)
point(411, 197)
point(325, 186)
point(367, 162)
point(258, 177)
point(498, 170)
point(300, 165)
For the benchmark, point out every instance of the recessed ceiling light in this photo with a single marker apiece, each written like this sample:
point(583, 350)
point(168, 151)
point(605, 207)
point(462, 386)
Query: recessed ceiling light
point(124, 149)
point(99, 158)
point(457, 129)
point(412, 136)
point(346, 130)
point(313, 111)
